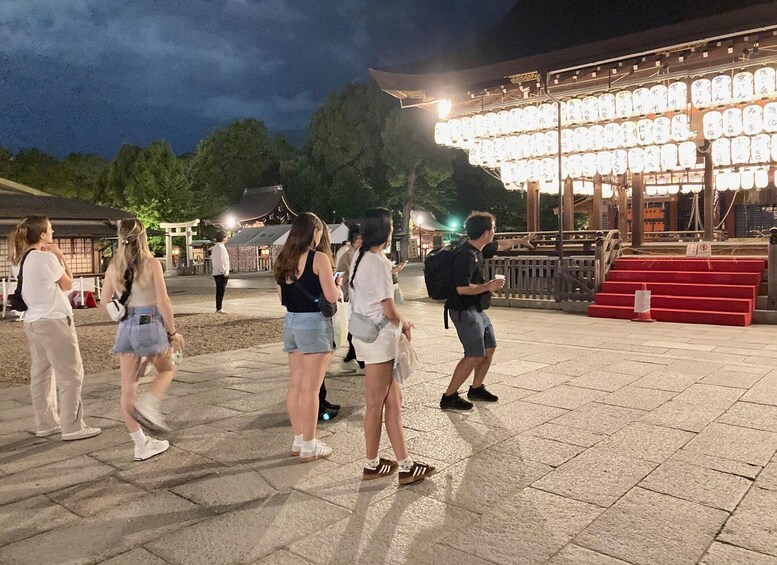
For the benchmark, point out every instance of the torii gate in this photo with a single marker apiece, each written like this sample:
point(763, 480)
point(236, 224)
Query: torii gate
point(171, 230)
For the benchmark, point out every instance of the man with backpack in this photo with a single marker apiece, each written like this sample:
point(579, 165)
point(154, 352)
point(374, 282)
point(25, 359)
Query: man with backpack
point(469, 298)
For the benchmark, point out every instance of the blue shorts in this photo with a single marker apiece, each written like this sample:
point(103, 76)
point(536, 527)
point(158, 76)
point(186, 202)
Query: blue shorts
point(144, 339)
point(476, 332)
point(307, 332)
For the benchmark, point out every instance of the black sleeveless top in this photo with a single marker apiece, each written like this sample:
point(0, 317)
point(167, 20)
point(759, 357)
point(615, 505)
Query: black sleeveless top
point(293, 298)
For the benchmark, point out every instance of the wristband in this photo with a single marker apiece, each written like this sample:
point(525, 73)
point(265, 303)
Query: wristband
point(172, 334)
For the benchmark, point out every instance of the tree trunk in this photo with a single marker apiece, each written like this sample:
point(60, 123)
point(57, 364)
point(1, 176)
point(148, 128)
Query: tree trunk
point(407, 207)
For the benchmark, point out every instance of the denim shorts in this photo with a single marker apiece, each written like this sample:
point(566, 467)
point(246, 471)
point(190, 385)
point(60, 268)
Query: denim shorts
point(476, 333)
point(307, 332)
point(141, 340)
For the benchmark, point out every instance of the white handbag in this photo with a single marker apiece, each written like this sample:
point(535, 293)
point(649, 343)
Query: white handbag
point(405, 359)
point(116, 310)
point(340, 324)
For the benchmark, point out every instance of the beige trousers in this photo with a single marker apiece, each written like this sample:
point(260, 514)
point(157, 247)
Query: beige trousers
point(56, 366)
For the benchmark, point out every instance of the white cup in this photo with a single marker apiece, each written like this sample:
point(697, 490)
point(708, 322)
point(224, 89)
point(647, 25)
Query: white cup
point(499, 277)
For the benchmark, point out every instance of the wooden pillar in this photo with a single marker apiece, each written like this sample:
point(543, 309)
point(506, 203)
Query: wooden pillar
point(595, 221)
point(168, 251)
point(709, 198)
point(674, 214)
point(623, 210)
point(637, 211)
point(569, 206)
point(533, 207)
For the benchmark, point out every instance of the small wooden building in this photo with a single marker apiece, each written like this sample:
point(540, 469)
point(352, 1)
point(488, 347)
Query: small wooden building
point(260, 206)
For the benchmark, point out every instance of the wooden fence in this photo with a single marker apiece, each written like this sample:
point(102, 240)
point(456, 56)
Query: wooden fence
point(538, 278)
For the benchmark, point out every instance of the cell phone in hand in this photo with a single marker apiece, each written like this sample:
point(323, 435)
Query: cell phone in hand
point(338, 274)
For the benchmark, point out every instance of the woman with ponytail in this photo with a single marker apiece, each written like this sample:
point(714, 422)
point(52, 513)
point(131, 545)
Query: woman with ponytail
point(372, 295)
point(304, 275)
point(57, 372)
point(146, 334)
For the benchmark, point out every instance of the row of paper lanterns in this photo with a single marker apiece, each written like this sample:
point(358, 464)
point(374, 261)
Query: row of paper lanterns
point(723, 89)
point(750, 120)
point(742, 150)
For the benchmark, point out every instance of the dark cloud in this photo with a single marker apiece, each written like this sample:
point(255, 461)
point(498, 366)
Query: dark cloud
point(88, 75)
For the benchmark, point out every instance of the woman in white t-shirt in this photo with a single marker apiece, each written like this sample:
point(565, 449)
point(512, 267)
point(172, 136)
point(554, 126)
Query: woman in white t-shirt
point(57, 373)
point(372, 295)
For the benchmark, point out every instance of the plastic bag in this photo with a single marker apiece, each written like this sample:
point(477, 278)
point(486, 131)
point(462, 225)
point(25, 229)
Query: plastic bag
point(398, 298)
point(340, 324)
point(405, 358)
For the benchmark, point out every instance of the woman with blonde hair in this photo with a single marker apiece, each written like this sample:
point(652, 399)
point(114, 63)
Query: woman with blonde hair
point(304, 279)
point(56, 368)
point(146, 334)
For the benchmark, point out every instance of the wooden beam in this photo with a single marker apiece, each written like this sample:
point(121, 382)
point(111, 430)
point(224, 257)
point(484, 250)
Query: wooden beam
point(674, 213)
point(595, 221)
point(569, 206)
point(709, 198)
point(637, 210)
point(533, 207)
point(623, 210)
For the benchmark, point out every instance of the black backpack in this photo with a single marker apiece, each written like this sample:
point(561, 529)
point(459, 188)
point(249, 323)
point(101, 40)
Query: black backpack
point(438, 272)
point(15, 301)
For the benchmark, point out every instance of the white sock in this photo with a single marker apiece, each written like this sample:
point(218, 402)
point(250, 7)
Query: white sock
point(309, 445)
point(298, 440)
point(138, 437)
point(372, 463)
point(406, 464)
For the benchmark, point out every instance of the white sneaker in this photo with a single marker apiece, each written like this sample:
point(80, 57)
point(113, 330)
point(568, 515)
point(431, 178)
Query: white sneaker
point(296, 448)
point(221, 312)
point(147, 413)
point(47, 433)
point(321, 451)
point(83, 433)
point(150, 448)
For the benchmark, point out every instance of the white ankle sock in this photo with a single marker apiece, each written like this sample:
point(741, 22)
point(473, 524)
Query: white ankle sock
point(406, 464)
point(298, 439)
point(138, 437)
point(308, 445)
point(372, 463)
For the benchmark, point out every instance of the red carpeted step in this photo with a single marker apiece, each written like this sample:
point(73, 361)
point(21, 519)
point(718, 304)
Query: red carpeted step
point(685, 277)
point(691, 264)
point(682, 289)
point(679, 302)
point(670, 315)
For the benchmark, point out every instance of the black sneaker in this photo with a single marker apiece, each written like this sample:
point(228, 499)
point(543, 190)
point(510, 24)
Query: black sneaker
point(330, 406)
point(454, 402)
point(481, 394)
point(328, 414)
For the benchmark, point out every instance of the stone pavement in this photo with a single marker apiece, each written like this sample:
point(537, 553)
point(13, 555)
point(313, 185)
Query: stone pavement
point(612, 442)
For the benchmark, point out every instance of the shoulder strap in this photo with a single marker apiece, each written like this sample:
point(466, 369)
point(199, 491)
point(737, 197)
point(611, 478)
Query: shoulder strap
point(20, 277)
point(129, 278)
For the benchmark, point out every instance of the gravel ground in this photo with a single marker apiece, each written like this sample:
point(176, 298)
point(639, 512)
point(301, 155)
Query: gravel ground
point(96, 333)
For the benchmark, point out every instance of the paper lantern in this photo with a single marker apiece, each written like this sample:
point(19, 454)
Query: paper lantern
point(721, 89)
point(680, 129)
point(662, 130)
point(629, 137)
point(620, 162)
point(640, 101)
point(721, 181)
point(645, 132)
point(590, 109)
point(651, 190)
point(662, 190)
point(487, 156)
point(574, 111)
point(479, 127)
point(548, 116)
point(607, 190)
point(533, 169)
point(551, 141)
point(668, 157)
point(531, 117)
point(442, 134)
point(774, 147)
point(607, 106)
point(503, 118)
point(575, 164)
point(567, 141)
point(677, 96)
point(673, 189)
point(493, 124)
point(636, 160)
point(461, 129)
point(652, 159)
point(521, 171)
point(721, 151)
point(747, 179)
point(612, 135)
point(549, 169)
point(713, 125)
point(743, 86)
point(516, 120)
point(597, 137)
point(759, 148)
point(752, 120)
point(658, 99)
point(770, 117)
point(701, 92)
point(696, 188)
point(524, 140)
point(506, 174)
point(538, 144)
point(604, 162)
point(623, 104)
point(582, 139)
point(474, 154)
point(501, 151)
point(740, 150)
point(765, 80)
point(732, 122)
point(687, 155)
point(589, 164)
point(761, 178)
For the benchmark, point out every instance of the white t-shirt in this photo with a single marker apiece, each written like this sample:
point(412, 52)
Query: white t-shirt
point(219, 258)
point(372, 284)
point(40, 291)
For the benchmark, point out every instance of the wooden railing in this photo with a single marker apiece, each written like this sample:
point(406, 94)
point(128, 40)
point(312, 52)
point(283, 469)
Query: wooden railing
point(546, 242)
point(677, 236)
point(608, 249)
point(538, 278)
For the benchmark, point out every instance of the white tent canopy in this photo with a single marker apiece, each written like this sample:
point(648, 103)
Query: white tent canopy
point(339, 234)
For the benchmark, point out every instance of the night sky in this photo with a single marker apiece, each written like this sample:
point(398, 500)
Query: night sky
point(89, 75)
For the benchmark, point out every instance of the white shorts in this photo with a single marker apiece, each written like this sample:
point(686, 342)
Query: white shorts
point(381, 350)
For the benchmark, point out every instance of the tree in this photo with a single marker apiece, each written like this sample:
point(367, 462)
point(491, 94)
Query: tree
point(113, 181)
point(242, 155)
point(418, 170)
point(78, 176)
point(5, 162)
point(34, 168)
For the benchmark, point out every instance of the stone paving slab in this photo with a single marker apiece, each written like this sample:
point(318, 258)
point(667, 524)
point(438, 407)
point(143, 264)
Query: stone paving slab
point(610, 444)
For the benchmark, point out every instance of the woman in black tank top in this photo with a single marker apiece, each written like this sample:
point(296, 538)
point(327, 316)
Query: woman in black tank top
point(303, 274)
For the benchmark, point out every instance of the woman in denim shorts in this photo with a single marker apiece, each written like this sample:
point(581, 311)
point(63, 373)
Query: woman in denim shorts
point(305, 278)
point(146, 334)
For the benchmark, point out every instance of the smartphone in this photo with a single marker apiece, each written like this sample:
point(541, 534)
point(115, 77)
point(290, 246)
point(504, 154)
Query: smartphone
point(338, 274)
point(144, 320)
